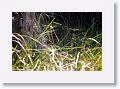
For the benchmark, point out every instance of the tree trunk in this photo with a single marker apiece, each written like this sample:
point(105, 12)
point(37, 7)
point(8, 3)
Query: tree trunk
point(28, 23)
point(29, 30)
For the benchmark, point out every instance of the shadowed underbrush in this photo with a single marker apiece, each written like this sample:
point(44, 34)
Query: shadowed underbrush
point(75, 50)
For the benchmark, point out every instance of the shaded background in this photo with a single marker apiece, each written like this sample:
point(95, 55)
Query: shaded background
point(73, 24)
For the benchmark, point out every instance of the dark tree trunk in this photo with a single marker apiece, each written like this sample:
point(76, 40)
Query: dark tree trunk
point(29, 19)
point(28, 23)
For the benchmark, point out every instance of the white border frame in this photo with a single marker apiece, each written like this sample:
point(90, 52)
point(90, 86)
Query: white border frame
point(104, 6)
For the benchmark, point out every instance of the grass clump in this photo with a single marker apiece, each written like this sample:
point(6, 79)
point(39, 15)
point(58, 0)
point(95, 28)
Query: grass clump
point(47, 51)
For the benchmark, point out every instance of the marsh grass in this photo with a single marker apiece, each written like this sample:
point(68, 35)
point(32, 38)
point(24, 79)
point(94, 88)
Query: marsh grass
point(78, 54)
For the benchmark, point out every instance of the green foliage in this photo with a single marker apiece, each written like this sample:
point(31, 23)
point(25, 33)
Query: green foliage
point(77, 54)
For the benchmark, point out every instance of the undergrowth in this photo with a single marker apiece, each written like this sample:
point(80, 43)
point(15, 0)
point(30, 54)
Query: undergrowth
point(42, 53)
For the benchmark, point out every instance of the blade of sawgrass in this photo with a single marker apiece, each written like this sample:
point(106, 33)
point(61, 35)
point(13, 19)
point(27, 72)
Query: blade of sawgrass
point(92, 39)
point(20, 37)
point(48, 26)
point(77, 59)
